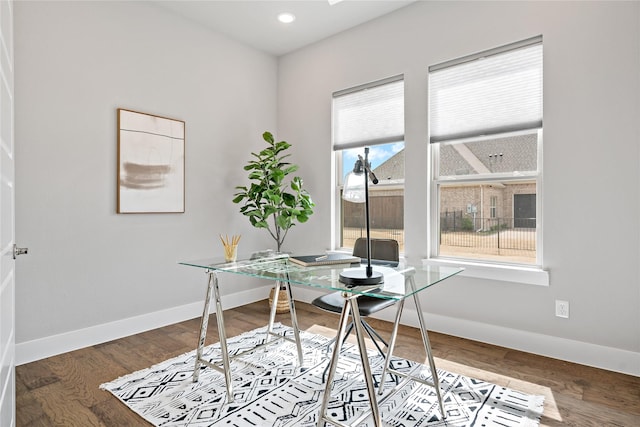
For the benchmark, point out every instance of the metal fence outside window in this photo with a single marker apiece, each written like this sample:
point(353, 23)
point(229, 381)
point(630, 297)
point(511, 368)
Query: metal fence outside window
point(350, 234)
point(510, 239)
point(458, 229)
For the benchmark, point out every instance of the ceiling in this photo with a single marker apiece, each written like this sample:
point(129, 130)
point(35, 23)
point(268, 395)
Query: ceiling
point(255, 22)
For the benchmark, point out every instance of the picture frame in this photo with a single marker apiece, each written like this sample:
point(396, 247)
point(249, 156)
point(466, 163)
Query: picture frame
point(151, 163)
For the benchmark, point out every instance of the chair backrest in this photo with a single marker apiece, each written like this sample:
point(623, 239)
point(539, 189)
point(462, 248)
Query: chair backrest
point(381, 249)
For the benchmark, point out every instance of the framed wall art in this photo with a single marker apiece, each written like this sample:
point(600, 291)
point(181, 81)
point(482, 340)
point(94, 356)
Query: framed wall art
point(151, 163)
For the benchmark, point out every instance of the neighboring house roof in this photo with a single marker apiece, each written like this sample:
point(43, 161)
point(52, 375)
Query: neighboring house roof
point(514, 153)
point(392, 169)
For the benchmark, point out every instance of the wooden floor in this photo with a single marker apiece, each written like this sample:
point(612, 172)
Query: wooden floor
point(64, 390)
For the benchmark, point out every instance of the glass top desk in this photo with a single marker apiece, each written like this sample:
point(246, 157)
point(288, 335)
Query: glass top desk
point(400, 282)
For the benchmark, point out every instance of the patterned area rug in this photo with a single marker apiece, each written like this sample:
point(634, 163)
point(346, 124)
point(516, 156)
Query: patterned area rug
point(271, 390)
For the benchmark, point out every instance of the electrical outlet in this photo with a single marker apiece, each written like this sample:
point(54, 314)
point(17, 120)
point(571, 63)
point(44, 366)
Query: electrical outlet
point(562, 309)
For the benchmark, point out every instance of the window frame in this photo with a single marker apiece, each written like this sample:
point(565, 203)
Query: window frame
point(434, 203)
point(337, 163)
point(493, 207)
point(337, 220)
point(532, 273)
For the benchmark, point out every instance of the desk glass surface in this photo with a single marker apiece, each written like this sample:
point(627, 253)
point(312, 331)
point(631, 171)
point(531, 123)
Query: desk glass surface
point(279, 267)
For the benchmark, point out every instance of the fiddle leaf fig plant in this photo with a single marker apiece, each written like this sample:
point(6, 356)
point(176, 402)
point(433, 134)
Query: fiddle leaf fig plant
point(274, 200)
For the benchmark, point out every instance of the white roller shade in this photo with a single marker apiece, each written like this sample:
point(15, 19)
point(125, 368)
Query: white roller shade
point(369, 114)
point(489, 93)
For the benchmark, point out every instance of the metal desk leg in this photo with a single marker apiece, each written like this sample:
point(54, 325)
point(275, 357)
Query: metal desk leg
point(204, 321)
point(294, 323)
point(222, 334)
point(427, 348)
point(392, 344)
point(292, 312)
point(213, 287)
point(337, 348)
point(366, 368)
point(272, 312)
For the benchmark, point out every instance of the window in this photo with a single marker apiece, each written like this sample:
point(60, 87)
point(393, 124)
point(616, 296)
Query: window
point(493, 207)
point(371, 115)
point(486, 142)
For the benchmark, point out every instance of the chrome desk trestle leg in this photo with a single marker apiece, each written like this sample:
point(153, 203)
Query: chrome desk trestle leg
point(366, 367)
point(225, 369)
point(351, 305)
point(294, 323)
point(272, 311)
point(392, 344)
point(222, 335)
point(344, 317)
point(204, 321)
point(292, 311)
point(213, 287)
point(427, 348)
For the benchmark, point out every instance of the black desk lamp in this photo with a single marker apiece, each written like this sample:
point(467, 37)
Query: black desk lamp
point(356, 190)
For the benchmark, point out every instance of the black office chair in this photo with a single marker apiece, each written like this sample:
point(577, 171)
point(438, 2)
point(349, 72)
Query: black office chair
point(383, 251)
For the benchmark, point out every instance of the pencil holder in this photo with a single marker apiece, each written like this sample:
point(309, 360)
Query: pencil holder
point(230, 248)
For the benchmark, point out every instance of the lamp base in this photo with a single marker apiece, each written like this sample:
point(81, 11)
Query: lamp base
point(358, 277)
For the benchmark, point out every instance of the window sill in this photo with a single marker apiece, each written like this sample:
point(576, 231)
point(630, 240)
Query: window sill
point(504, 273)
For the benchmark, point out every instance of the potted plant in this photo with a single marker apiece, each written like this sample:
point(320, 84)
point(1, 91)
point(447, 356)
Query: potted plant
point(274, 200)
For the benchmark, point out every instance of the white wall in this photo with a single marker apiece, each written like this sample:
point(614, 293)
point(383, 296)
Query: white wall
point(591, 181)
point(76, 63)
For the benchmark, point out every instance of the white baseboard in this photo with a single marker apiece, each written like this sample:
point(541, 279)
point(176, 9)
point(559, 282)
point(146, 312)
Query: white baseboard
point(73, 340)
point(608, 358)
point(611, 359)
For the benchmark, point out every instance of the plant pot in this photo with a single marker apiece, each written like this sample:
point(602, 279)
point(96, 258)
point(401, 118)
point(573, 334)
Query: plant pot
point(283, 300)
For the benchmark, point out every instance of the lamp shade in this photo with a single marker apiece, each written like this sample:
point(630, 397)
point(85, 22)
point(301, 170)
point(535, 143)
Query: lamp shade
point(354, 190)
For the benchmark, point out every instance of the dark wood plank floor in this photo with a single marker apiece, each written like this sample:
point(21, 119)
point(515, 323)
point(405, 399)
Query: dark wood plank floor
point(64, 390)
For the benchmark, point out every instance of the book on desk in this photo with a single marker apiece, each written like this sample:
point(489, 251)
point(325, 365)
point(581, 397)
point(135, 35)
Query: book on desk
point(327, 259)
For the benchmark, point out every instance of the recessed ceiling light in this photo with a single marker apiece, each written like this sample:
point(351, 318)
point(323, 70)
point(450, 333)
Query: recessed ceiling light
point(332, 2)
point(286, 18)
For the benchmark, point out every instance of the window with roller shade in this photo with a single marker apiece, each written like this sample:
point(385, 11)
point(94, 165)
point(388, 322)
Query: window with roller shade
point(485, 134)
point(370, 115)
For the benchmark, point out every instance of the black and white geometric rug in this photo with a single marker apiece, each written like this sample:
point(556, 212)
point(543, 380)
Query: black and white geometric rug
point(271, 390)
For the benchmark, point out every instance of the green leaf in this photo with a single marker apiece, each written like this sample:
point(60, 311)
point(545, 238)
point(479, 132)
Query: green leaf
point(277, 174)
point(296, 183)
point(247, 208)
point(281, 146)
point(290, 169)
point(275, 198)
point(256, 175)
point(289, 199)
point(267, 153)
point(267, 136)
point(255, 189)
point(306, 202)
point(283, 222)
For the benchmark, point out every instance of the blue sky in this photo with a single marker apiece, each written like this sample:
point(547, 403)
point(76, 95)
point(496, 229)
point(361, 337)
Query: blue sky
point(378, 154)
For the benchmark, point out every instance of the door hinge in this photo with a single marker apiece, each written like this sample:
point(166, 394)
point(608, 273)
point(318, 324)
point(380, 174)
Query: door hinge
point(19, 251)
